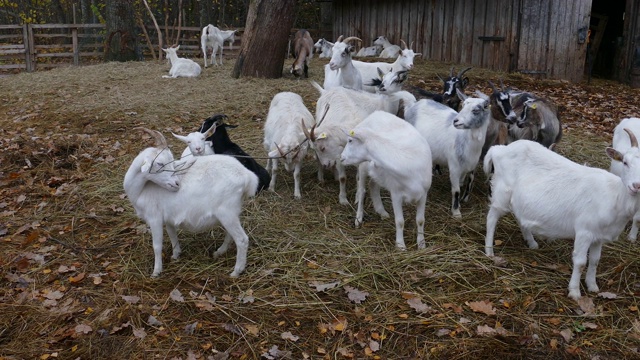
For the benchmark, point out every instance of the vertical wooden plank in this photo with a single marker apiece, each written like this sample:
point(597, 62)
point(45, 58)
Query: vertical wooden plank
point(583, 16)
point(558, 44)
point(447, 29)
point(490, 29)
point(373, 21)
point(27, 48)
point(32, 48)
point(428, 30)
point(420, 34)
point(457, 37)
point(499, 50)
point(74, 45)
point(437, 34)
point(514, 41)
point(406, 23)
point(529, 40)
point(479, 15)
point(466, 40)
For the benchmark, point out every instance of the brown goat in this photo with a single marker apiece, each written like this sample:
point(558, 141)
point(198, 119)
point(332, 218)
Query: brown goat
point(303, 50)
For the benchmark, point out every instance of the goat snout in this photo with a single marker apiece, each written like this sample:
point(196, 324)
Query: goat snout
point(511, 118)
point(333, 66)
point(635, 187)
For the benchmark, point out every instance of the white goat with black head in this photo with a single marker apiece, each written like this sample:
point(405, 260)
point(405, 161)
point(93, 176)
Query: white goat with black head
point(195, 195)
point(556, 198)
point(369, 70)
point(455, 139)
point(283, 136)
point(397, 158)
point(181, 67)
point(340, 70)
point(622, 143)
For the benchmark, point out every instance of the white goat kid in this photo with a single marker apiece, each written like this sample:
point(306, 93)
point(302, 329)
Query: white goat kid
point(214, 38)
point(556, 198)
point(389, 51)
point(195, 195)
point(181, 67)
point(370, 51)
point(369, 70)
point(284, 137)
point(397, 158)
point(340, 70)
point(197, 145)
point(622, 143)
point(455, 139)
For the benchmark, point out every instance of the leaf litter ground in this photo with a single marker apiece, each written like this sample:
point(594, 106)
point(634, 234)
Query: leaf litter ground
point(76, 261)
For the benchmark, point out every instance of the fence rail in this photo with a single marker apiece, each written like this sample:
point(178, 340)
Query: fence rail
point(34, 46)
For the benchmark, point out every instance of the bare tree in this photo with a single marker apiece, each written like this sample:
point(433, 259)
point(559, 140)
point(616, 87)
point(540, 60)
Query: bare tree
point(265, 39)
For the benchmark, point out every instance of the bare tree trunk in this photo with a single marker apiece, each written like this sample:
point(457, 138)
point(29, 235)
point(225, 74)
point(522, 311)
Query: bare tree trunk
point(264, 42)
point(122, 42)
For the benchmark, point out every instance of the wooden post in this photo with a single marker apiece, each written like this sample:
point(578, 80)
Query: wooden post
point(76, 48)
point(32, 47)
point(27, 48)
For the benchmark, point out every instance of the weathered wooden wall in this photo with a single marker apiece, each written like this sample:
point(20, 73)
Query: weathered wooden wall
point(536, 37)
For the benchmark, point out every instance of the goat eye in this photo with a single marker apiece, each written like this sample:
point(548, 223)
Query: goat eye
point(322, 148)
point(625, 163)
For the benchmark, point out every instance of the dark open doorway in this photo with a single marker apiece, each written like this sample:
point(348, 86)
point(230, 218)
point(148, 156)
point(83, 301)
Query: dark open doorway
point(605, 41)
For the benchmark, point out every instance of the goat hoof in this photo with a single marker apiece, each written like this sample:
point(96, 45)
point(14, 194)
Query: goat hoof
point(457, 214)
point(235, 274)
point(155, 276)
point(575, 294)
point(358, 223)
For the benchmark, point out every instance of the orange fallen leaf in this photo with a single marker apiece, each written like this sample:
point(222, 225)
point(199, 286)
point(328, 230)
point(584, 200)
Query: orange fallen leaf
point(76, 279)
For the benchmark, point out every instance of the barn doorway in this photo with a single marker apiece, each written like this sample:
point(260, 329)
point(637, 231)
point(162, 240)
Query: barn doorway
point(606, 39)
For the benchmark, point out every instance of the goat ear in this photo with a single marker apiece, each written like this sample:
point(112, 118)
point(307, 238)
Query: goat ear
point(417, 54)
point(164, 50)
point(145, 166)
point(614, 154)
point(380, 73)
point(465, 82)
point(461, 95)
point(481, 95)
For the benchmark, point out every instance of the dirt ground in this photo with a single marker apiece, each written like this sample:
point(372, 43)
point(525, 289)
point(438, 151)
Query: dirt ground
point(76, 262)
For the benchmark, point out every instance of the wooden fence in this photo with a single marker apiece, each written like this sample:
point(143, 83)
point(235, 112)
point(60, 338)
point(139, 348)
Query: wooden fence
point(40, 46)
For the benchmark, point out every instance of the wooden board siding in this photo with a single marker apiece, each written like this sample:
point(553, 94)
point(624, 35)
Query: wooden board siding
point(533, 36)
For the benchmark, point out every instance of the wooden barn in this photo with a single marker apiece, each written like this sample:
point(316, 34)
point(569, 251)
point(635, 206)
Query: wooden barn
point(557, 39)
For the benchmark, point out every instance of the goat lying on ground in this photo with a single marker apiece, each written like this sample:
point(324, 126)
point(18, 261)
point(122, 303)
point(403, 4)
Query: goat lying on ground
point(195, 195)
point(556, 198)
point(181, 67)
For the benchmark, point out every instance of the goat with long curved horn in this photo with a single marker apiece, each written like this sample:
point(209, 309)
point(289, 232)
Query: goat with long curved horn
point(632, 138)
point(158, 138)
point(404, 44)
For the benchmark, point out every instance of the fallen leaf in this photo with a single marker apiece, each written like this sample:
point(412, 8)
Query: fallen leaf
point(176, 295)
point(76, 279)
point(608, 295)
point(83, 328)
point(252, 329)
point(233, 328)
point(589, 325)
point(289, 336)
point(456, 309)
point(586, 305)
point(323, 287)
point(553, 344)
point(191, 328)
point(247, 297)
point(275, 353)
point(374, 345)
point(485, 330)
point(443, 332)
point(355, 295)
point(139, 333)
point(54, 295)
point(567, 335)
point(485, 307)
point(130, 299)
point(417, 304)
point(153, 321)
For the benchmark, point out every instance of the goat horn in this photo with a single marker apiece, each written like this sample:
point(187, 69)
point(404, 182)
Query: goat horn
point(339, 38)
point(451, 72)
point(411, 46)
point(463, 71)
point(159, 139)
point(632, 138)
point(441, 79)
point(350, 38)
point(501, 85)
point(304, 130)
point(282, 154)
point(492, 86)
point(404, 44)
point(326, 110)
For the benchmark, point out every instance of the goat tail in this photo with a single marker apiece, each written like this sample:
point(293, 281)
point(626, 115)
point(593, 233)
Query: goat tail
point(318, 87)
point(487, 164)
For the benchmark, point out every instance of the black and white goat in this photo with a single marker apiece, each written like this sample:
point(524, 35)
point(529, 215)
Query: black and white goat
point(223, 145)
point(449, 86)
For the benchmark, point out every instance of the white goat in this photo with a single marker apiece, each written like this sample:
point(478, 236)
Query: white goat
point(197, 144)
point(324, 47)
point(389, 51)
point(340, 70)
point(181, 67)
point(348, 108)
point(397, 158)
point(556, 198)
point(368, 70)
point(214, 38)
point(284, 137)
point(455, 139)
point(370, 51)
point(194, 195)
point(622, 143)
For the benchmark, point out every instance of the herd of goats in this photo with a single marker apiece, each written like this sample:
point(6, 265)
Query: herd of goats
point(397, 136)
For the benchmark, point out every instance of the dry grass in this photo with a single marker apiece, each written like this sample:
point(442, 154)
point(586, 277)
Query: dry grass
point(66, 143)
